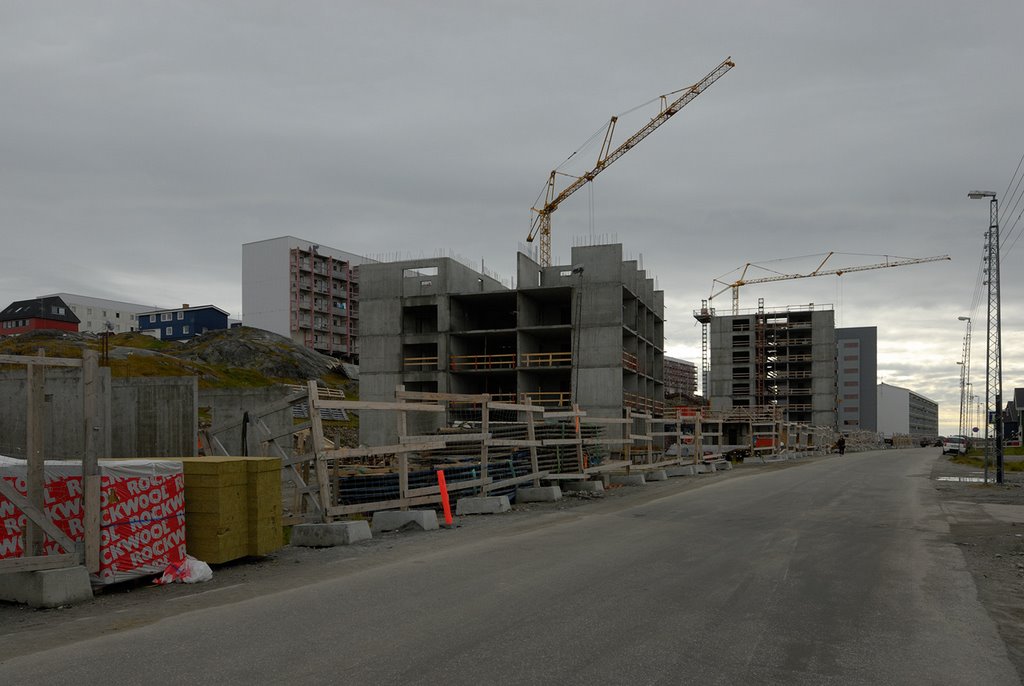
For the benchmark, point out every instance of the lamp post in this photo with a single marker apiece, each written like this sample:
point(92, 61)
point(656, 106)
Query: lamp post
point(965, 376)
point(994, 362)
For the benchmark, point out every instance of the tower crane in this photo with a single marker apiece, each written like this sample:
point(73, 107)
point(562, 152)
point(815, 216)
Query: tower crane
point(541, 223)
point(706, 312)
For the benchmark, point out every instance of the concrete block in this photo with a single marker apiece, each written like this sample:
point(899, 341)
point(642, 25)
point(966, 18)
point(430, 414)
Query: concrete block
point(629, 479)
point(492, 504)
point(753, 460)
point(330, 534)
point(589, 486)
point(723, 466)
point(775, 458)
point(682, 470)
point(392, 520)
point(656, 475)
point(538, 494)
point(47, 588)
point(704, 468)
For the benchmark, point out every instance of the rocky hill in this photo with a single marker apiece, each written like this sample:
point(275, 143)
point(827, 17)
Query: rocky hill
point(236, 357)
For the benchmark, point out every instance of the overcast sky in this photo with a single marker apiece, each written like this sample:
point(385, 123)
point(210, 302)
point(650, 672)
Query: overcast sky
point(143, 143)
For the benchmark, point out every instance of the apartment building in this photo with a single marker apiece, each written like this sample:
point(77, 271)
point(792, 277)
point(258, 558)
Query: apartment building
point(901, 411)
point(680, 377)
point(99, 315)
point(305, 291)
point(857, 378)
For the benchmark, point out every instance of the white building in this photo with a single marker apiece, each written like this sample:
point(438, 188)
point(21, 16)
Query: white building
point(95, 313)
point(903, 412)
point(305, 291)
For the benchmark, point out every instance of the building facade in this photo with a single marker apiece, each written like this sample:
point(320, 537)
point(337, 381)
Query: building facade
point(781, 357)
point(48, 312)
point(96, 313)
point(182, 323)
point(591, 334)
point(304, 291)
point(857, 378)
point(680, 377)
point(904, 412)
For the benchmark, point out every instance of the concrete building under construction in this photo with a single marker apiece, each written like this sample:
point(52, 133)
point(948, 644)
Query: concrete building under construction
point(776, 357)
point(590, 333)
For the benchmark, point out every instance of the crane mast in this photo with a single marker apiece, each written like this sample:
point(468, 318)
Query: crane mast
point(541, 223)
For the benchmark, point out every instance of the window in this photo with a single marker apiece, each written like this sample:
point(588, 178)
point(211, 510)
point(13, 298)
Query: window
point(165, 316)
point(89, 311)
point(169, 331)
point(181, 315)
point(184, 330)
point(848, 358)
point(850, 383)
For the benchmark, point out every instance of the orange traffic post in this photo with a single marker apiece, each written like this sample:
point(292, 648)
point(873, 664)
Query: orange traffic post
point(444, 497)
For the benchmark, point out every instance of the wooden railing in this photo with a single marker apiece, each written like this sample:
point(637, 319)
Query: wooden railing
point(630, 362)
point(459, 363)
point(548, 398)
point(558, 359)
point(420, 362)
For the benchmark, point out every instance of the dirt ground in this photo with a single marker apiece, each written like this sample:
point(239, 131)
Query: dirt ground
point(993, 549)
point(991, 536)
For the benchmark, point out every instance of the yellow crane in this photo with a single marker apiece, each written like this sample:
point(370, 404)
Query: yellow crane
point(541, 223)
point(706, 312)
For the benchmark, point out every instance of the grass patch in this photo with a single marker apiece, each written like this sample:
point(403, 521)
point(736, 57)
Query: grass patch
point(978, 461)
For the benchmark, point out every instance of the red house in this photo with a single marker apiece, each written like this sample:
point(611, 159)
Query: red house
point(41, 313)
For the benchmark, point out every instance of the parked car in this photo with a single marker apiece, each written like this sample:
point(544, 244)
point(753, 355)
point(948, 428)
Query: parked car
point(954, 445)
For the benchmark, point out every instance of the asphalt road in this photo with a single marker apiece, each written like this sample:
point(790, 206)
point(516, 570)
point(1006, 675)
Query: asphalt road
point(837, 571)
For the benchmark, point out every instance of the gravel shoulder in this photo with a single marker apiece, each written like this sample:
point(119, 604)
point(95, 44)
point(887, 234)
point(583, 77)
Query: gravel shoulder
point(987, 522)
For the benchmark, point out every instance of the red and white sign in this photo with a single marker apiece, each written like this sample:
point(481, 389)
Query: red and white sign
point(142, 514)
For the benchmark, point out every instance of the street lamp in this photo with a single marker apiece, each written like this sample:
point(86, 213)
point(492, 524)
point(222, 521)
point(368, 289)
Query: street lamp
point(994, 362)
point(965, 376)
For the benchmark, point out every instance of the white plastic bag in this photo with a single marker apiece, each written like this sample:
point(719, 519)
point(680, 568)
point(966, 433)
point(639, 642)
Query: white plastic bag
point(190, 571)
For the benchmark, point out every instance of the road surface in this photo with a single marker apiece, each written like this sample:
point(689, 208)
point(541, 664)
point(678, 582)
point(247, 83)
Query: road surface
point(837, 571)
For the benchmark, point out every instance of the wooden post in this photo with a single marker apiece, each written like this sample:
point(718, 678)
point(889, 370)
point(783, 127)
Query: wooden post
point(94, 401)
point(579, 438)
point(531, 435)
point(650, 443)
point(403, 457)
point(484, 442)
point(679, 436)
point(35, 388)
point(316, 434)
point(628, 446)
point(698, 442)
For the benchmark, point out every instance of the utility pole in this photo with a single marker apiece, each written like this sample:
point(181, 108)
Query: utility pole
point(965, 378)
point(994, 364)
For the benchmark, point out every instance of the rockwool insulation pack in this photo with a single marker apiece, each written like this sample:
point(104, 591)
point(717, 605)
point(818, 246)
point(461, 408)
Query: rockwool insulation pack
point(142, 514)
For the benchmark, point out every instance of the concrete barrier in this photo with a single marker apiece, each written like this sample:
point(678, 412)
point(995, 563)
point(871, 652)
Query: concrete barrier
point(538, 494)
point(629, 479)
point(588, 486)
point(392, 520)
point(656, 475)
point(47, 588)
point(704, 468)
point(753, 460)
point(330, 534)
point(682, 470)
point(492, 504)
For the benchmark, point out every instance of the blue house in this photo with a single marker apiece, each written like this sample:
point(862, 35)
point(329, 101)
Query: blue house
point(182, 323)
